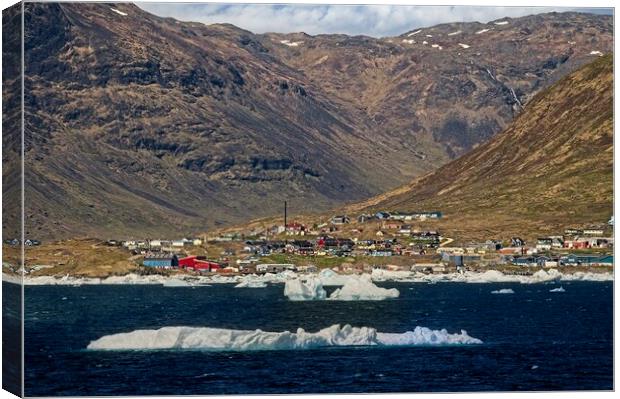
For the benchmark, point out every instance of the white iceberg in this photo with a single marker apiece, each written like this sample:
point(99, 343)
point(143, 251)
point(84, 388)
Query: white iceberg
point(560, 289)
point(503, 291)
point(298, 290)
point(205, 338)
point(355, 288)
point(329, 277)
point(362, 288)
point(252, 282)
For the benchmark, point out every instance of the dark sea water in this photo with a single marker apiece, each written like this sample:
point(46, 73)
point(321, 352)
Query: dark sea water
point(533, 340)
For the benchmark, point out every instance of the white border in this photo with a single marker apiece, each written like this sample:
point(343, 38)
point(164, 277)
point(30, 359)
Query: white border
point(565, 3)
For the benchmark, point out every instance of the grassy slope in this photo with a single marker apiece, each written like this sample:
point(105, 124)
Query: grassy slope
point(552, 168)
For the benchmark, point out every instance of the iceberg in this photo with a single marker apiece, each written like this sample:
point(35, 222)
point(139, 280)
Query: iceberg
point(503, 291)
point(329, 277)
point(395, 275)
point(361, 288)
point(252, 282)
point(298, 290)
point(355, 288)
point(560, 289)
point(218, 339)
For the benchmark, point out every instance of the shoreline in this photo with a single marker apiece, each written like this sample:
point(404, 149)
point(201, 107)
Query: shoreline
point(327, 277)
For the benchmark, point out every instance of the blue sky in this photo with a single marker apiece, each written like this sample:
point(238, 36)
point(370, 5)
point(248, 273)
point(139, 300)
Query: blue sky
point(371, 20)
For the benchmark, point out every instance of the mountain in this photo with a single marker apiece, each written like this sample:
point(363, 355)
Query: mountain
point(138, 125)
point(443, 90)
point(142, 125)
point(552, 168)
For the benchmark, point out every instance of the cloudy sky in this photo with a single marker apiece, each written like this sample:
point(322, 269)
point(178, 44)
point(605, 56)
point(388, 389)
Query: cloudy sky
point(377, 20)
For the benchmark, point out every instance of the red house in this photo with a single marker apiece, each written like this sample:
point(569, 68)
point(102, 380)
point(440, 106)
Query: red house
point(198, 263)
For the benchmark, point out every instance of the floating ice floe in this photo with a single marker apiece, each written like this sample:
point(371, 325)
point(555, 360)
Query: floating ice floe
point(482, 31)
point(124, 14)
point(503, 291)
point(327, 277)
point(218, 339)
point(596, 52)
point(559, 289)
point(355, 288)
point(310, 290)
point(251, 283)
point(464, 45)
point(363, 289)
point(414, 33)
point(501, 23)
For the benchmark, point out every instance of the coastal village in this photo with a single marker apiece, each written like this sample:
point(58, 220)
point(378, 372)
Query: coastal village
point(383, 240)
point(395, 241)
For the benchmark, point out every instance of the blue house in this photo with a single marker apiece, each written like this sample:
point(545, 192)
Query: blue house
point(587, 260)
point(525, 261)
point(606, 260)
point(164, 261)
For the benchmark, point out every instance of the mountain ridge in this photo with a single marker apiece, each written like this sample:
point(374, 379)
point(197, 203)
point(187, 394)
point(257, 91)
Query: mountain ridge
point(141, 125)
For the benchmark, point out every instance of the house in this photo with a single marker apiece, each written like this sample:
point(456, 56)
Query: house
point(295, 228)
point(544, 243)
point(341, 219)
point(557, 242)
point(198, 263)
point(381, 252)
point(493, 245)
point(587, 260)
point(405, 230)
point(391, 225)
point(178, 243)
point(365, 218)
point(452, 250)
point(161, 261)
point(423, 215)
point(593, 232)
point(525, 261)
point(397, 216)
point(573, 232)
point(576, 244)
point(426, 238)
point(301, 247)
point(275, 267)
point(382, 215)
point(517, 242)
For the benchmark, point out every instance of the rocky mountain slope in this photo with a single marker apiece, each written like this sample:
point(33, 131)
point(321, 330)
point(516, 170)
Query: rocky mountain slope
point(443, 90)
point(139, 125)
point(552, 168)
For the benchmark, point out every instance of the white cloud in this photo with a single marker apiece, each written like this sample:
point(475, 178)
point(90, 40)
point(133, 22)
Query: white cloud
point(371, 20)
